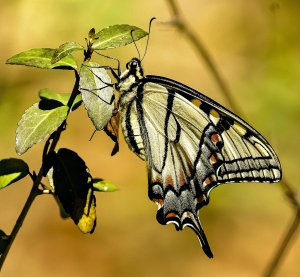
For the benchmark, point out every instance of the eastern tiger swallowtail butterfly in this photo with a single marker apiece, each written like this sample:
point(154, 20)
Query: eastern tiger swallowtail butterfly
point(190, 143)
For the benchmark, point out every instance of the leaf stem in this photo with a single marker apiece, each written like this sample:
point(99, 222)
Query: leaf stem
point(60, 129)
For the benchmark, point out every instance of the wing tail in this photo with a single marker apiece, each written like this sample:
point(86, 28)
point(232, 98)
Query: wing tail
point(195, 225)
point(179, 208)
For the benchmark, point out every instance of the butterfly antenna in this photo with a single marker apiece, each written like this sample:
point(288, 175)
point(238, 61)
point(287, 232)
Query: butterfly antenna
point(115, 59)
point(150, 23)
point(137, 49)
point(93, 135)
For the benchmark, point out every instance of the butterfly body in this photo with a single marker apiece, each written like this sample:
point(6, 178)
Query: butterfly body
point(190, 144)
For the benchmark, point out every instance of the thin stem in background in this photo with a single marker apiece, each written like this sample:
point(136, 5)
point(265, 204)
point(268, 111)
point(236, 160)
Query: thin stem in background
point(202, 51)
point(282, 249)
point(290, 192)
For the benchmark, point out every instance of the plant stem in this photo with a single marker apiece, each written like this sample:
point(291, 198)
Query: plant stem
point(60, 129)
point(48, 148)
point(33, 193)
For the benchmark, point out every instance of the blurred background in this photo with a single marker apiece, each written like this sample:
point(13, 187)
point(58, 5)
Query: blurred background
point(255, 45)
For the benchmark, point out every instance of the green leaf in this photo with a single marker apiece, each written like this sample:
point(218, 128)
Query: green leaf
point(73, 187)
point(12, 170)
point(4, 240)
point(104, 185)
point(36, 124)
point(62, 98)
point(65, 50)
point(97, 93)
point(41, 58)
point(116, 36)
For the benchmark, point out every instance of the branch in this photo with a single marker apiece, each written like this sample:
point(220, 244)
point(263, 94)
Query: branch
point(33, 193)
point(279, 254)
point(290, 192)
point(202, 51)
point(290, 233)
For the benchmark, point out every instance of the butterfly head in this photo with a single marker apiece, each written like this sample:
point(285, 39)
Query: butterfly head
point(134, 67)
point(133, 73)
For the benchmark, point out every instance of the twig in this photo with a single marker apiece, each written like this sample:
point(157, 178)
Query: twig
point(289, 190)
point(279, 254)
point(291, 232)
point(202, 51)
point(33, 193)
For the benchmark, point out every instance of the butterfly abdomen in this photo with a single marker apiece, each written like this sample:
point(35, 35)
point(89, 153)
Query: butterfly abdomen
point(131, 130)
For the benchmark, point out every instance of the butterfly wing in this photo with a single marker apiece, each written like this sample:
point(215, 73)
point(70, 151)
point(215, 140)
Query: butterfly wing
point(244, 155)
point(191, 144)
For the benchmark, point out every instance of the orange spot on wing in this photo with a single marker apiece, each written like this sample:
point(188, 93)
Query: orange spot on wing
point(208, 181)
point(169, 181)
point(182, 178)
point(213, 159)
point(215, 138)
point(171, 214)
point(158, 202)
point(156, 180)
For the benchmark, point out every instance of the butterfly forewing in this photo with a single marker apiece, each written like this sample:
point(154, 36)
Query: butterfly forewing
point(190, 144)
point(247, 155)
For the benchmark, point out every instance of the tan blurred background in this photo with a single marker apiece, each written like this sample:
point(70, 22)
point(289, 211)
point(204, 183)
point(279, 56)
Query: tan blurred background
point(255, 45)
